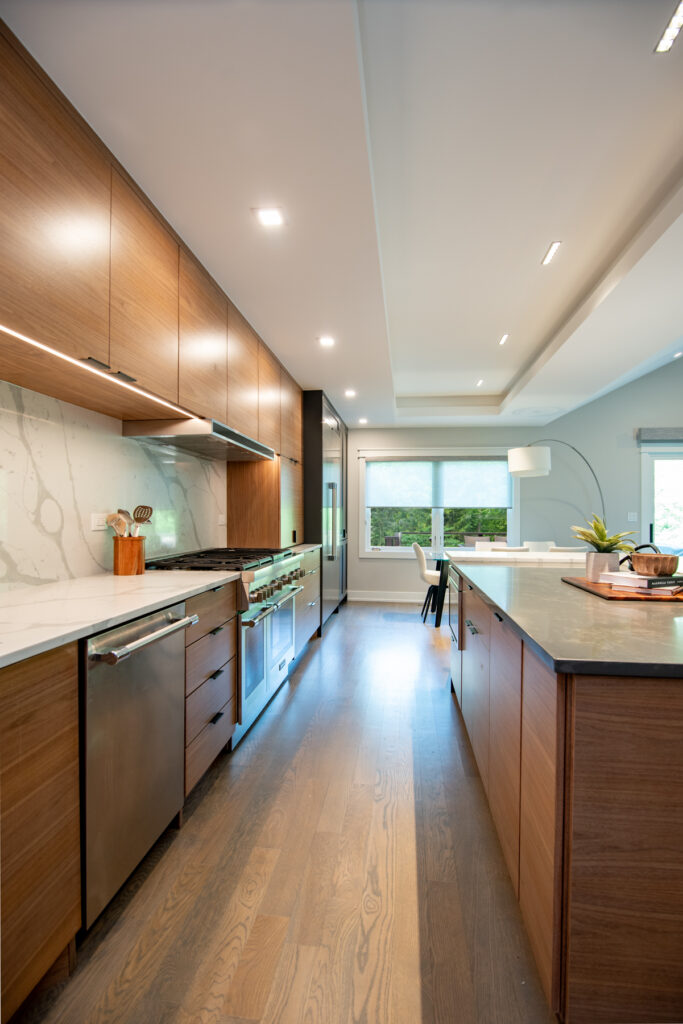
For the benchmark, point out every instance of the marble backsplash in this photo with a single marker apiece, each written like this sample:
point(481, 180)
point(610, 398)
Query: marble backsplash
point(60, 463)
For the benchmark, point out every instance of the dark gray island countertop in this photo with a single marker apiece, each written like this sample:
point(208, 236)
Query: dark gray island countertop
point(574, 631)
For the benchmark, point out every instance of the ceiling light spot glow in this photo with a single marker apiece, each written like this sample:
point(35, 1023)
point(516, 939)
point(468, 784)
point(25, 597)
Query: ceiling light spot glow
point(503, 339)
point(270, 216)
point(326, 341)
point(480, 382)
point(350, 393)
point(671, 31)
point(363, 420)
point(554, 246)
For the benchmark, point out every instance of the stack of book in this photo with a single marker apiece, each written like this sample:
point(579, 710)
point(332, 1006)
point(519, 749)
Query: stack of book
point(630, 581)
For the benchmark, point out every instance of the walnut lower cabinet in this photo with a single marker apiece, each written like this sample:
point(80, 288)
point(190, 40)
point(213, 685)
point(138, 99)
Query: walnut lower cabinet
point(211, 681)
point(584, 776)
point(39, 818)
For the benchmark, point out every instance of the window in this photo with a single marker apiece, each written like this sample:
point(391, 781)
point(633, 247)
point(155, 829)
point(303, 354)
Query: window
point(662, 497)
point(439, 501)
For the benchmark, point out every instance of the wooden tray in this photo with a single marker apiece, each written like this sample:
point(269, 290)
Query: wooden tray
point(604, 590)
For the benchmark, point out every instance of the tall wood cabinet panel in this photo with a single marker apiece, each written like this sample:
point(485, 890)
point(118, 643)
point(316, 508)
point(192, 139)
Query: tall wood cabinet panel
point(291, 418)
point(54, 217)
point(265, 504)
point(243, 370)
point(541, 811)
point(475, 677)
point(203, 341)
point(268, 398)
point(39, 818)
point(144, 293)
point(505, 739)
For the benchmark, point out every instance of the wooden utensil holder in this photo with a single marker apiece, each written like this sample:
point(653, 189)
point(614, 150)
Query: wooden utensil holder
point(129, 556)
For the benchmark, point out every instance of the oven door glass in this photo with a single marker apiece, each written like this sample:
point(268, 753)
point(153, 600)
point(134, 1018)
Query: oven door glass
point(282, 638)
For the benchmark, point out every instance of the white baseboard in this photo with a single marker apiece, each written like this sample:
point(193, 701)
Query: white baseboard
point(387, 596)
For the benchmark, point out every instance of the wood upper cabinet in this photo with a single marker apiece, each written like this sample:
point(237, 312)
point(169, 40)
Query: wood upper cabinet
point(144, 293)
point(541, 813)
point(291, 420)
point(265, 503)
point(505, 718)
point(54, 218)
point(268, 398)
point(39, 818)
point(203, 339)
point(243, 367)
point(475, 676)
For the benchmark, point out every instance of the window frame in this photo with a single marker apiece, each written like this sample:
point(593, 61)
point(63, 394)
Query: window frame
point(649, 453)
point(425, 454)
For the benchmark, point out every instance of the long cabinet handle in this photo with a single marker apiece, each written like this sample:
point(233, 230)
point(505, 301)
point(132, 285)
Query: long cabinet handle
point(118, 654)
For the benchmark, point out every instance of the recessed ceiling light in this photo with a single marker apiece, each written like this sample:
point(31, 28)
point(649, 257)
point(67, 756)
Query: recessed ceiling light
point(362, 420)
point(350, 393)
point(677, 355)
point(503, 339)
point(554, 246)
point(326, 341)
point(270, 216)
point(479, 383)
point(671, 31)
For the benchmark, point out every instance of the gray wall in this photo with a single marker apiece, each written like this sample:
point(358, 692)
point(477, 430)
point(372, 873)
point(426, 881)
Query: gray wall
point(603, 430)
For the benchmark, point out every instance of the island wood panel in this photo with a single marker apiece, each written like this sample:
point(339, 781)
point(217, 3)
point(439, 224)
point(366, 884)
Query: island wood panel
point(291, 417)
point(243, 374)
point(54, 217)
point(268, 398)
point(624, 956)
point(541, 812)
point(144, 293)
point(505, 739)
point(39, 818)
point(475, 677)
point(203, 342)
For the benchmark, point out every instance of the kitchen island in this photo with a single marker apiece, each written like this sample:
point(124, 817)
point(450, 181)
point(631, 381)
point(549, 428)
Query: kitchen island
point(574, 709)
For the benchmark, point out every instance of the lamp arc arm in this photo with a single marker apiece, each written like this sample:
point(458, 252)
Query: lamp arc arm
point(556, 440)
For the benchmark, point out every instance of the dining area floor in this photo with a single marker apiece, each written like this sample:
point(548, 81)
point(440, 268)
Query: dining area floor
point(339, 866)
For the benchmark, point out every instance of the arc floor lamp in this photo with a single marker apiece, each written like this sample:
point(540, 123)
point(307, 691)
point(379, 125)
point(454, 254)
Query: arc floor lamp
point(533, 460)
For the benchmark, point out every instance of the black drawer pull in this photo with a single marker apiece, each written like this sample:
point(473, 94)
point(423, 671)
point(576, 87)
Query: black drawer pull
point(216, 717)
point(470, 587)
point(217, 673)
point(499, 617)
point(214, 590)
point(216, 631)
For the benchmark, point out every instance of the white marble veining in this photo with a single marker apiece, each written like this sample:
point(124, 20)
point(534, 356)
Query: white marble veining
point(60, 463)
point(33, 620)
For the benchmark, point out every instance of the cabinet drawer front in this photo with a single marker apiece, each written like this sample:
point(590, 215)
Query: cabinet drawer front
point(311, 591)
point(206, 747)
point(207, 699)
point(213, 607)
point(311, 560)
point(208, 654)
point(476, 616)
point(306, 623)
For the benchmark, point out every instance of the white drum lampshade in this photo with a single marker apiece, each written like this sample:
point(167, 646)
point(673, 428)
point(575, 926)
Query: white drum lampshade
point(529, 461)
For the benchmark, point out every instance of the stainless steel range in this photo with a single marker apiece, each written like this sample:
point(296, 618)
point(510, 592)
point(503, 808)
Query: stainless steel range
point(270, 582)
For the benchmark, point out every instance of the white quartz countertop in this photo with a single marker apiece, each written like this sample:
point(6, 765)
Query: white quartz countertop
point(37, 619)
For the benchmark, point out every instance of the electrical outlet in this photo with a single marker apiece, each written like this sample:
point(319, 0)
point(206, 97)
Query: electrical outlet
point(632, 517)
point(98, 520)
point(221, 520)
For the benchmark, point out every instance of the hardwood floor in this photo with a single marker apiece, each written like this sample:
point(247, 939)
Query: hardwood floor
point(340, 866)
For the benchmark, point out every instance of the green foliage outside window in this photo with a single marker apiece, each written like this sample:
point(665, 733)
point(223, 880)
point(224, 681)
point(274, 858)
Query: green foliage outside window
point(415, 524)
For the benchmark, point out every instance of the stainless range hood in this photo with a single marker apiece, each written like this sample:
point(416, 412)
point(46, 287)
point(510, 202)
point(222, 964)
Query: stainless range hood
point(206, 438)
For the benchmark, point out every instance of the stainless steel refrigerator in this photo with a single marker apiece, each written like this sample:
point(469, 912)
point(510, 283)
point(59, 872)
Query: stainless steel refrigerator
point(325, 452)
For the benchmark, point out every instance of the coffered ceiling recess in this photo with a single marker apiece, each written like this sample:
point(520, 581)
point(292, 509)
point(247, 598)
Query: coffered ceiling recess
point(424, 153)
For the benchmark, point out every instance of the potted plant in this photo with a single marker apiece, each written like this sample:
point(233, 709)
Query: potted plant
point(604, 557)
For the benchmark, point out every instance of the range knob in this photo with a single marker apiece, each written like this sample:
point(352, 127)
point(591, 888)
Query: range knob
point(300, 573)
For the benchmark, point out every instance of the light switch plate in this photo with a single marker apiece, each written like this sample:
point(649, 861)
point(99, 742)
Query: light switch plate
point(632, 517)
point(221, 520)
point(98, 520)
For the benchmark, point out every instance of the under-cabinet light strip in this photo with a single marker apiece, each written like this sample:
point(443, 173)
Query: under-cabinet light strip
point(671, 31)
point(98, 373)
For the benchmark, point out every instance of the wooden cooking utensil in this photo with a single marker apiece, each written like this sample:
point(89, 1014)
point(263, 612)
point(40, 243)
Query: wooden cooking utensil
point(127, 516)
point(141, 514)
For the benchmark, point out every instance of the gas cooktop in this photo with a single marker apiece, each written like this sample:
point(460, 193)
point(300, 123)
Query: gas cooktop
point(221, 559)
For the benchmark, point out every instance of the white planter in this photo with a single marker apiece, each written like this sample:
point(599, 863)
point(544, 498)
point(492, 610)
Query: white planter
point(601, 561)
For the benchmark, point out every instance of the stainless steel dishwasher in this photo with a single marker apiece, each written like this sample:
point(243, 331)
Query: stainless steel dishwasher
point(133, 740)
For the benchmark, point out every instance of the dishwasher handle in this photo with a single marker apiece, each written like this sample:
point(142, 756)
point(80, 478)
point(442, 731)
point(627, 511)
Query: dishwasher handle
point(118, 654)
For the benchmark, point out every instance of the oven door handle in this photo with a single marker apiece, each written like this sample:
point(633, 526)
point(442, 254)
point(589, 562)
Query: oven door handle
point(288, 597)
point(250, 623)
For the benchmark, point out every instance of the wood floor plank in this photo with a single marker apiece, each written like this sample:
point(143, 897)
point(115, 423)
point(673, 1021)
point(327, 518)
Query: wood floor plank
point(309, 916)
point(290, 987)
point(251, 986)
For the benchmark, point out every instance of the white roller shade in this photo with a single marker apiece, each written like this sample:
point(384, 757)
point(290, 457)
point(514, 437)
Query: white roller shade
point(399, 484)
point(461, 483)
point(469, 483)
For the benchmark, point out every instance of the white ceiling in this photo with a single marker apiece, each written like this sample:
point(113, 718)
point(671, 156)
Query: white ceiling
point(426, 153)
